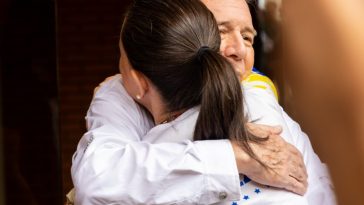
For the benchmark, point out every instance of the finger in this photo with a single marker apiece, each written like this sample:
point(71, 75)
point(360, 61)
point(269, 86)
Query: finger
point(299, 174)
point(300, 171)
point(303, 167)
point(276, 129)
point(257, 130)
point(297, 168)
point(271, 129)
point(304, 182)
point(296, 186)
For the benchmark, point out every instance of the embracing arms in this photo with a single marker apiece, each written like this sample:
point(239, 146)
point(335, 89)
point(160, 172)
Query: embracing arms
point(113, 164)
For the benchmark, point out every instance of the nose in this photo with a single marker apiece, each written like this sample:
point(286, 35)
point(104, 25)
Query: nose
point(235, 48)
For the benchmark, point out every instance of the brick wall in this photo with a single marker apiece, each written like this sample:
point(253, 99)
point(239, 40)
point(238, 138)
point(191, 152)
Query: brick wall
point(87, 33)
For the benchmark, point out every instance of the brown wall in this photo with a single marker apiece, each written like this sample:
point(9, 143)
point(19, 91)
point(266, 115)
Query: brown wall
point(29, 93)
point(87, 33)
point(323, 47)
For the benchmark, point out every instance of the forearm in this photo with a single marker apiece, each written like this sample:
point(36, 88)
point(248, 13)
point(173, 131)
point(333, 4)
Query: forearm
point(112, 163)
point(113, 170)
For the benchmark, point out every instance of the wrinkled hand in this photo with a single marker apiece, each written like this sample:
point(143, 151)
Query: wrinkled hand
point(285, 164)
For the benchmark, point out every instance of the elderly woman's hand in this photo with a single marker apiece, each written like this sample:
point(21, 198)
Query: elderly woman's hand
point(285, 166)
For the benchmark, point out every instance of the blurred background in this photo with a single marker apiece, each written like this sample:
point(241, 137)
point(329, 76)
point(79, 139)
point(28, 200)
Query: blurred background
point(54, 53)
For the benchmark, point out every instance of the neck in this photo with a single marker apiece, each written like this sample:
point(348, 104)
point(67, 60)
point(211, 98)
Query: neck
point(154, 103)
point(168, 117)
point(162, 115)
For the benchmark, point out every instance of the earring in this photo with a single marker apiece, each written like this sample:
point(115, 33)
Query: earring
point(138, 97)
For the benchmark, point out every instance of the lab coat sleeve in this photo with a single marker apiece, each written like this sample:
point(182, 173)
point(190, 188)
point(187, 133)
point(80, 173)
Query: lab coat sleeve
point(113, 165)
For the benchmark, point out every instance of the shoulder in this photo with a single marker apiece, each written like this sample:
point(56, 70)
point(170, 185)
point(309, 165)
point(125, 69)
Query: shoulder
point(110, 85)
point(112, 105)
point(112, 92)
point(257, 80)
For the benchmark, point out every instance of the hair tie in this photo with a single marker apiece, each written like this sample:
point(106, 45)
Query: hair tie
point(201, 51)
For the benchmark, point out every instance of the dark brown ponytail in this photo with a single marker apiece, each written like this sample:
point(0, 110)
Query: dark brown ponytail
point(222, 110)
point(221, 99)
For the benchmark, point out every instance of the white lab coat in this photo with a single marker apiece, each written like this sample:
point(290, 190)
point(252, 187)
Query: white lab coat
point(123, 160)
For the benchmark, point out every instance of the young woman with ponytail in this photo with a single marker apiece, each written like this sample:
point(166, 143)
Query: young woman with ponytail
point(183, 70)
point(171, 66)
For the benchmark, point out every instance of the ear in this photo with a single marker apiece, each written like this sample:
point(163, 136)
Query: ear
point(141, 83)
